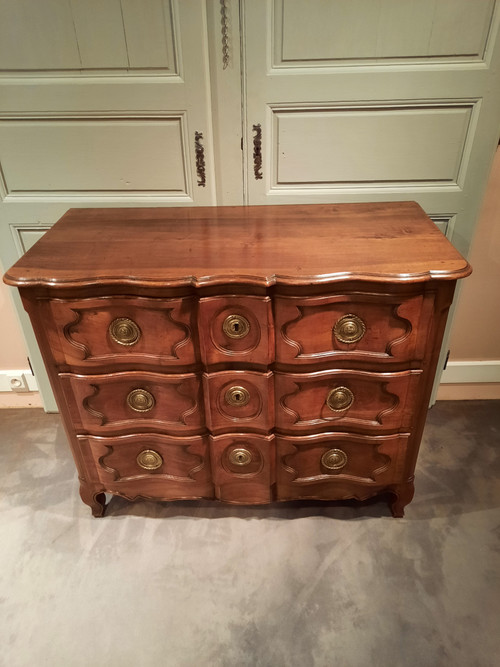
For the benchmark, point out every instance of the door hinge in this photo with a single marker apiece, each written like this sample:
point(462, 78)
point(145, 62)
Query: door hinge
point(446, 360)
point(241, 143)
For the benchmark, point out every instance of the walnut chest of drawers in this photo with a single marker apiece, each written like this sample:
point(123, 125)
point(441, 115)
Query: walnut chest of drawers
point(247, 354)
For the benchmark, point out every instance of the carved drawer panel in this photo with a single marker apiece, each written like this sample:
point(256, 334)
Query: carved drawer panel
point(135, 400)
point(150, 465)
point(236, 329)
point(236, 400)
point(345, 399)
point(327, 465)
point(90, 333)
point(243, 467)
point(354, 326)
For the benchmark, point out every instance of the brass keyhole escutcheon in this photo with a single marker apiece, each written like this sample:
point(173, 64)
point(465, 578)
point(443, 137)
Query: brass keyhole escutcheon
point(340, 399)
point(236, 326)
point(349, 329)
point(237, 396)
point(240, 456)
point(124, 331)
point(149, 459)
point(141, 400)
point(334, 459)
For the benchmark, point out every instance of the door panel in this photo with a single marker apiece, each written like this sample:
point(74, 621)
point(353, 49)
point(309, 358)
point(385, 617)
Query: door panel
point(335, 33)
point(101, 103)
point(98, 116)
point(373, 100)
point(367, 145)
point(61, 36)
point(152, 154)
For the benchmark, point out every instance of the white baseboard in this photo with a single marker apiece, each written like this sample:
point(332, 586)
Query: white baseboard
point(18, 381)
point(463, 372)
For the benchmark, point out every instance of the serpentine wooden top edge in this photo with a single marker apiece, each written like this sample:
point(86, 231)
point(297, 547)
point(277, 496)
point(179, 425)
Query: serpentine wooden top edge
point(265, 246)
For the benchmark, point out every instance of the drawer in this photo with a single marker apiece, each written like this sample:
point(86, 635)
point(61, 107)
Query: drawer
point(135, 400)
point(239, 400)
point(345, 400)
point(150, 465)
point(337, 465)
point(356, 327)
point(105, 331)
point(236, 329)
point(243, 467)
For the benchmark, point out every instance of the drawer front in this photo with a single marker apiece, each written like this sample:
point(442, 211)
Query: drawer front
point(239, 400)
point(92, 333)
point(136, 400)
point(345, 400)
point(150, 465)
point(243, 467)
point(337, 465)
point(236, 329)
point(355, 327)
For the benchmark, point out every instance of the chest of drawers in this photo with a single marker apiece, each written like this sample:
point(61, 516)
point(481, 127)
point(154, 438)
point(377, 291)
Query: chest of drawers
point(247, 354)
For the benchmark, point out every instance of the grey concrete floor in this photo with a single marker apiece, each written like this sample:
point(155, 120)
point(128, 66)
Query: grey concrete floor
point(201, 584)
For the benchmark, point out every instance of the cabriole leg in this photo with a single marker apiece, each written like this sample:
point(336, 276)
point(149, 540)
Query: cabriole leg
point(402, 496)
point(94, 498)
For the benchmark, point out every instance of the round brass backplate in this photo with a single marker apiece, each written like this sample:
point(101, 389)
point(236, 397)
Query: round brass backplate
point(237, 396)
point(236, 326)
point(140, 400)
point(334, 459)
point(349, 329)
point(340, 399)
point(149, 459)
point(124, 331)
point(240, 456)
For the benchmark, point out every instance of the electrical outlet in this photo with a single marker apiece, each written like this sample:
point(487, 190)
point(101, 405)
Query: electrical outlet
point(18, 383)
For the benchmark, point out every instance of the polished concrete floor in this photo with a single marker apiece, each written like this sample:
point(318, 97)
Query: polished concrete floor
point(206, 585)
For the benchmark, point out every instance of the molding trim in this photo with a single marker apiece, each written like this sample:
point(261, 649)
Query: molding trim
point(461, 372)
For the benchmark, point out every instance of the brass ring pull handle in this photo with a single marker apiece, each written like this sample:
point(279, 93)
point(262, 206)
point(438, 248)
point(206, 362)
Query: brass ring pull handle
point(240, 456)
point(334, 459)
point(237, 396)
point(141, 400)
point(124, 331)
point(340, 399)
point(236, 326)
point(149, 459)
point(349, 329)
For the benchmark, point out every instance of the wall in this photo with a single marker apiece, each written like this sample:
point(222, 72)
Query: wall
point(12, 349)
point(476, 327)
point(13, 354)
point(474, 366)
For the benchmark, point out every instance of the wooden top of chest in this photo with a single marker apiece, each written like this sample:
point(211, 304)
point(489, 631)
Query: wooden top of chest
point(259, 245)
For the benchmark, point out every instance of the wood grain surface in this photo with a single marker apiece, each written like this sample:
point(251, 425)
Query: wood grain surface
point(260, 245)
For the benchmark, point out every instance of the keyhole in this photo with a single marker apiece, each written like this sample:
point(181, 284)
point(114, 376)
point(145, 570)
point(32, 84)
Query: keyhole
point(236, 326)
point(237, 396)
point(240, 457)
